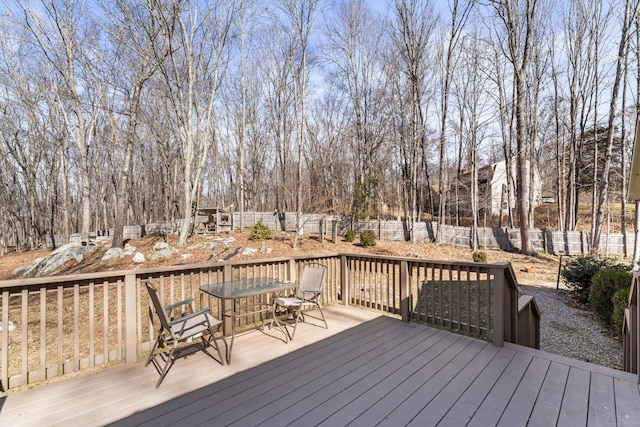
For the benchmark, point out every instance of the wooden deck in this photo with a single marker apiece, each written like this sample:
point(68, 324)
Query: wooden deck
point(366, 370)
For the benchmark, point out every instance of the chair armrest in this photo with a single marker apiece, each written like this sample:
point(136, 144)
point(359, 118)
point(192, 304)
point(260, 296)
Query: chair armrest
point(170, 308)
point(189, 316)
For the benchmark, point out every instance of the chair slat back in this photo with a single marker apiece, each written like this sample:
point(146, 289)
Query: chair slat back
point(158, 305)
point(312, 278)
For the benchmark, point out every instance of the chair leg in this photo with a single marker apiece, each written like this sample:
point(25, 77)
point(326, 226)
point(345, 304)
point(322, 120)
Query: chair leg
point(299, 318)
point(282, 327)
point(151, 353)
point(160, 343)
point(168, 364)
point(322, 314)
point(212, 342)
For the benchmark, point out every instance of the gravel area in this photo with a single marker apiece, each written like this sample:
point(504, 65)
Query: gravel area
point(568, 330)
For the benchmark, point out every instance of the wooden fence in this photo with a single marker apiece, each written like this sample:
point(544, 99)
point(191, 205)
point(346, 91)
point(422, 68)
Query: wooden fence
point(65, 324)
point(555, 242)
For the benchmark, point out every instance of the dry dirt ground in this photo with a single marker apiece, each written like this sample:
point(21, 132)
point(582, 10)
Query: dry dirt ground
point(542, 270)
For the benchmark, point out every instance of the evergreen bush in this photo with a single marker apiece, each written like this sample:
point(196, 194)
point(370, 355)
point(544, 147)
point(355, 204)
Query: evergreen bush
point(578, 272)
point(260, 232)
point(368, 238)
point(479, 256)
point(604, 285)
point(350, 236)
point(620, 301)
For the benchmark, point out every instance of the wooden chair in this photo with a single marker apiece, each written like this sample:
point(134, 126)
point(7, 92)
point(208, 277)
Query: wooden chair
point(308, 295)
point(173, 331)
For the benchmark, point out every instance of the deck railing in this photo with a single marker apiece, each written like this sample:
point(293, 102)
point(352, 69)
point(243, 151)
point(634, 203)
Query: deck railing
point(631, 330)
point(56, 325)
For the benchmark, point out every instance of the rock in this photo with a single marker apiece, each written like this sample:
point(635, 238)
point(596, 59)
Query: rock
point(138, 258)
point(269, 250)
point(214, 243)
point(249, 251)
point(160, 246)
point(112, 253)
point(128, 249)
point(65, 253)
point(165, 253)
point(10, 326)
point(186, 256)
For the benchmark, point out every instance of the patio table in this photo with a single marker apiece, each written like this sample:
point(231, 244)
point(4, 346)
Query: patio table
point(237, 289)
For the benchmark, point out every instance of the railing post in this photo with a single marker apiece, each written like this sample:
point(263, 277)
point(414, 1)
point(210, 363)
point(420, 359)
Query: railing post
point(496, 277)
point(292, 271)
point(635, 305)
point(131, 319)
point(633, 314)
point(4, 353)
point(227, 304)
point(405, 292)
point(344, 280)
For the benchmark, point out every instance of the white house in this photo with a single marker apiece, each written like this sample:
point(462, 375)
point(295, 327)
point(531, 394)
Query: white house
point(493, 189)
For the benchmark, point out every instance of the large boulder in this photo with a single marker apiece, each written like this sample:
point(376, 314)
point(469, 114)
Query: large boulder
point(59, 257)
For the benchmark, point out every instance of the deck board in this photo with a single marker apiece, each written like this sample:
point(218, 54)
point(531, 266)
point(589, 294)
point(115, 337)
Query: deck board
point(465, 407)
point(366, 369)
point(438, 407)
point(450, 348)
point(627, 400)
point(320, 394)
point(385, 381)
point(547, 405)
point(491, 409)
point(575, 402)
point(423, 394)
point(603, 412)
point(520, 406)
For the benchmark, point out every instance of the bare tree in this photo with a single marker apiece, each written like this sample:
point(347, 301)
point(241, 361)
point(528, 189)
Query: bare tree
point(352, 55)
point(300, 19)
point(198, 44)
point(475, 117)
point(134, 30)
point(460, 12)
point(520, 26)
point(629, 16)
point(61, 32)
point(414, 24)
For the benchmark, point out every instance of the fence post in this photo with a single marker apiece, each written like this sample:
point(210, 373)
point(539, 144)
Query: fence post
point(405, 292)
point(496, 278)
point(130, 317)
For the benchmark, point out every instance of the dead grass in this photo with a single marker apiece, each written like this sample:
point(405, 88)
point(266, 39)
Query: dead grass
point(540, 269)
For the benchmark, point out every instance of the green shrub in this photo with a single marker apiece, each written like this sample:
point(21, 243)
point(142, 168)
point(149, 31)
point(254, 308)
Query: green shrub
point(368, 238)
point(260, 232)
point(604, 285)
point(620, 301)
point(479, 256)
point(578, 272)
point(350, 236)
